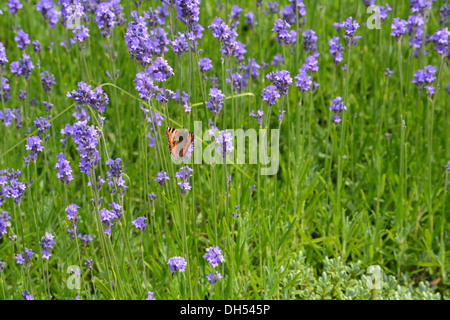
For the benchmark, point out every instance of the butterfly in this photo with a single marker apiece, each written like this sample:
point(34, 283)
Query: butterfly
point(179, 141)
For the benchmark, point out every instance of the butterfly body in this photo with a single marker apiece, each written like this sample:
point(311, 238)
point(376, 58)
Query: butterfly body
point(179, 141)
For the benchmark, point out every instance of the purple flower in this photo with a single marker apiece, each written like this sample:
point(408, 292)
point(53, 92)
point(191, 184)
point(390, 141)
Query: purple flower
point(224, 142)
point(42, 124)
point(235, 15)
point(184, 174)
point(4, 93)
point(310, 41)
point(160, 70)
point(22, 40)
point(81, 33)
point(444, 12)
point(46, 244)
point(388, 72)
point(180, 44)
point(398, 28)
point(303, 81)
point(182, 100)
point(27, 295)
point(139, 223)
point(281, 79)
point(161, 178)
point(237, 81)
point(89, 263)
point(97, 99)
point(105, 18)
point(86, 138)
point(249, 19)
point(3, 59)
point(22, 67)
point(225, 35)
point(270, 94)
point(152, 196)
point(64, 170)
point(188, 11)
point(420, 6)
point(213, 278)
point(441, 42)
point(14, 6)
point(337, 106)
point(3, 226)
point(34, 145)
point(71, 211)
point(145, 87)
point(107, 216)
point(36, 47)
point(254, 68)
point(85, 239)
point(24, 257)
point(2, 266)
point(284, 37)
point(177, 264)
point(258, 116)
point(350, 27)
point(115, 178)
point(204, 64)
point(336, 50)
point(384, 11)
point(272, 7)
point(214, 256)
point(425, 78)
point(47, 9)
point(150, 296)
point(215, 101)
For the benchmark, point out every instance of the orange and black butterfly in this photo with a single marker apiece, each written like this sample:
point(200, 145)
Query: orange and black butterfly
point(179, 141)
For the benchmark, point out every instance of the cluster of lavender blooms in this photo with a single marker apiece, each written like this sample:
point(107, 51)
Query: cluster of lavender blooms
point(64, 170)
point(24, 257)
point(4, 218)
point(214, 257)
point(237, 80)
point(14, 6)
point(215, 101)
point(281, 80)
point(177, 264)
point(48, 81)
point(22, 40)
point(184, 174)
point(303, 81)
point(182, 100)
point(145, 37)
point(11, 187)
point(48, 11)
point(269, 94)
point(108, 216)
point(86, 138)
point(7, 115)
point(47, 242)
point(150, 295)
point(22, 67)
point(85, 96)
point(425, 78)
point(155, 120)
point(115, 178)
point(71, 211)
point(158, 71)
point(284, 36)
point(337, 107)
point(224, 143)
point(26, 295)
point(227, 37)
point(336, 50)
point(139, 223)
point(258, 116)
point(162, 177)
